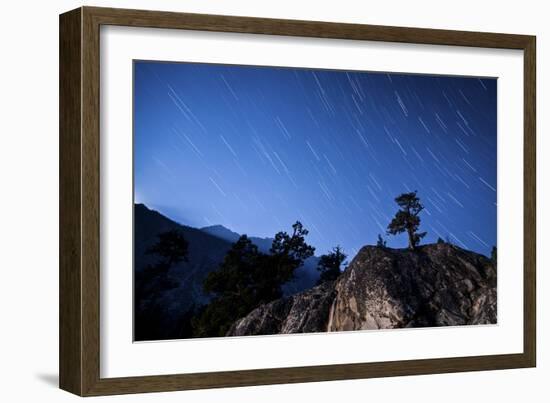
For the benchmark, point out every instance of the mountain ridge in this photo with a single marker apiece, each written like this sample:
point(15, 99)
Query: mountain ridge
point(263, 244)
point(205, 254)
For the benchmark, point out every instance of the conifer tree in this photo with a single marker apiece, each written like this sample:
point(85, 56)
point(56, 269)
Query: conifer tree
point(407, 218)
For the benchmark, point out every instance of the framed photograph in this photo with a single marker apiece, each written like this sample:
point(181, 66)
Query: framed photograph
point(249, 201)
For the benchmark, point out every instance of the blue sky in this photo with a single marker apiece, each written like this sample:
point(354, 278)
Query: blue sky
point(257, 148)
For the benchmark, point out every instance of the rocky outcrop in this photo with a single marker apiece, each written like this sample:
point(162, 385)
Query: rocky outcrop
point(438, 285)
point(383, 288)
point(305, 312)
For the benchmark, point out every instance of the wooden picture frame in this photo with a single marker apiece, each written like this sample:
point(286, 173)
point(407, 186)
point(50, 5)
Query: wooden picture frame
point(79, 346)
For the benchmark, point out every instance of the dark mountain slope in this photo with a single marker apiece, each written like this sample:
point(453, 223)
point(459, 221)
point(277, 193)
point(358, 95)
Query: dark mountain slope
point(207, 249)
point(205, 254)
point(204, 249)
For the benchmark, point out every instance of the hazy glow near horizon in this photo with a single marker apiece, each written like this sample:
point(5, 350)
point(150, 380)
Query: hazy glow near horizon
point(255, 149)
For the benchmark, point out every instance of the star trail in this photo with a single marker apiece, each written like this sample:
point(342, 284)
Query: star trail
point(257, 148)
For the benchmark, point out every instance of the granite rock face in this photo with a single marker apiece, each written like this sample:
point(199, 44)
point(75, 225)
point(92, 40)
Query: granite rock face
point(383, 288)
point(305, 312)
point(437, 285)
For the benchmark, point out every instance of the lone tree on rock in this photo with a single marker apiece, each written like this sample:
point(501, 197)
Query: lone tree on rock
point(381, 242)
point(330, 265)
point(407, 218)
point(494, 255)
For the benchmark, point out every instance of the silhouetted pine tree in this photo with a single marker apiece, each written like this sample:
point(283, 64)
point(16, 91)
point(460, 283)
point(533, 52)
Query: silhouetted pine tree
point(381, 242)
point(494, 255)
point(248, 278)
point(330, 265)
point(407, 218)
point(151, 282)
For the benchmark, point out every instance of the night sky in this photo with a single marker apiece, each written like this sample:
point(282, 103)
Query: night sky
point(257, 148)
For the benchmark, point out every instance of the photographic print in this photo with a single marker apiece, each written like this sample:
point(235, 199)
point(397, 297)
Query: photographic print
point(277, 200)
